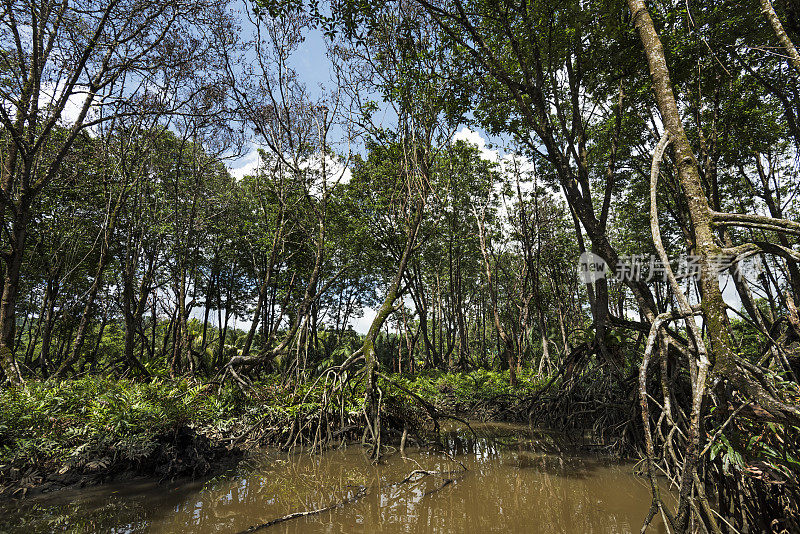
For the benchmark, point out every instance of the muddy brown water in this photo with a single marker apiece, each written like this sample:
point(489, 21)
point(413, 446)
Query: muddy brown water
point(516, 481)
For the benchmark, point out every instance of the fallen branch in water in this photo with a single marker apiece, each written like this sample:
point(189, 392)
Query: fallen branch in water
point(445, 483)
point(358, 495)
point(361, 493)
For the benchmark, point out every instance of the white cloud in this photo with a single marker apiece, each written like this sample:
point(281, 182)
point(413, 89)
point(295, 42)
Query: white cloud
point(362, 324)
point(509, 163)
point(52, 92)
point(335, 169)
point(247, 164)
point(474, 138)
point(338, 171)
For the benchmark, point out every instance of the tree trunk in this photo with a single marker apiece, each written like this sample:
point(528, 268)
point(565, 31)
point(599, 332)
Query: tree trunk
point(712, 304)
point(47, 329)
point(83, 325)
point(8, 304)
point(545, 344)
point(507, 343)
point(386, 309)
point(105, 258)
point(780, 33)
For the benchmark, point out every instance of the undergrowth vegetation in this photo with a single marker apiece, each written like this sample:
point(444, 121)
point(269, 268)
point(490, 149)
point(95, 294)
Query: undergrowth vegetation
point(105, 420)
point(94, 423)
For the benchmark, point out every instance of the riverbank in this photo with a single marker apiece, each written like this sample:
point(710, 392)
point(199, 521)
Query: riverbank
point(82, 432)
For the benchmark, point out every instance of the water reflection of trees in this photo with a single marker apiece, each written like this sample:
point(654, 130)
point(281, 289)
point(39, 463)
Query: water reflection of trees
point(516, 482)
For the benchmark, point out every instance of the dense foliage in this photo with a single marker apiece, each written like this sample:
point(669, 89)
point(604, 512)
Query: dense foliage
point(374, 270)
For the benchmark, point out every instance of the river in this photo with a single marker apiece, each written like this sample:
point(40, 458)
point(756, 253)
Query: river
point(502, 478)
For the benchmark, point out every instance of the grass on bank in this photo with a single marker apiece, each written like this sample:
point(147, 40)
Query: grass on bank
point(57, 425)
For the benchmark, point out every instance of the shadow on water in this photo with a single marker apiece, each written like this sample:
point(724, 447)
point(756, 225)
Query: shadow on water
point(516, 481)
